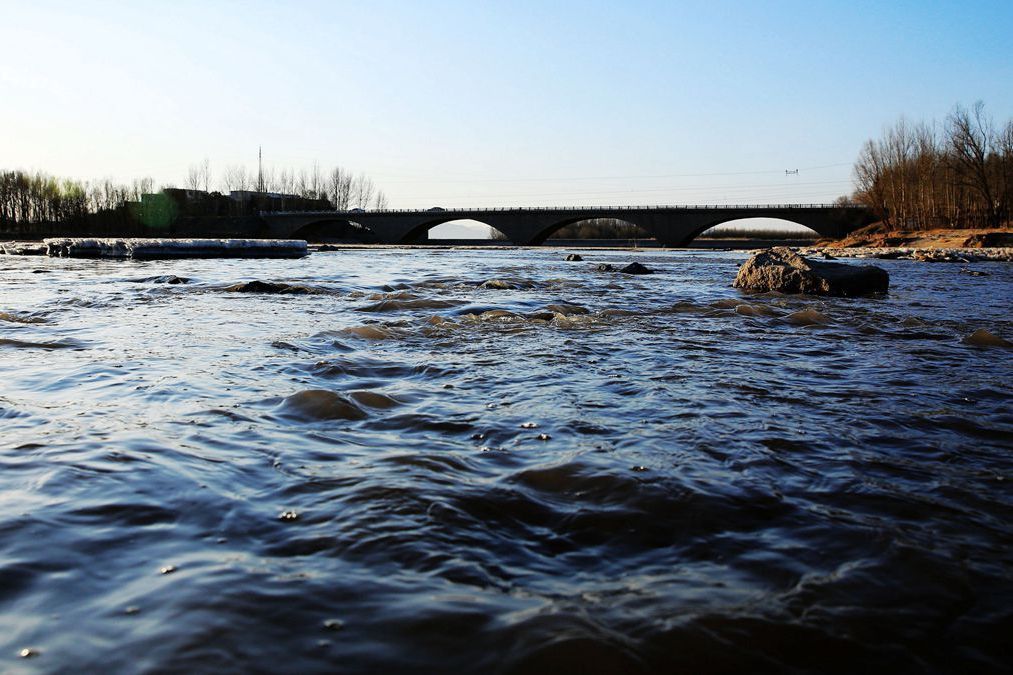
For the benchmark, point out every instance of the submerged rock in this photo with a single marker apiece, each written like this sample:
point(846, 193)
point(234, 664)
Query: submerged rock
point(374, 399)
point(781, 269)
point(636, 268)
point(983, 338)
point(499, 284)
point(266, 287)
point(605, 267)
point(807, 317)
point(574, 257)
point(566, 309)
point(756, 310)
point(321, 404)
point(163, 279)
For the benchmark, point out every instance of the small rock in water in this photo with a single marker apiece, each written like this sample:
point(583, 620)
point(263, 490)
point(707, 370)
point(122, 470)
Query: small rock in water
point(973, 273)
point(498, 283)
point(288, 515)
point(605, 267)
point(574, 257)
point(636, 268)
point(983, 338)
point(266, 287)
point(168, 569)
point(334, 624)
point(938, 256)
point(28, 652)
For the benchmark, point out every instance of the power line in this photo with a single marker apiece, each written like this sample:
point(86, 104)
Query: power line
point(562, 179)
point(681, 188)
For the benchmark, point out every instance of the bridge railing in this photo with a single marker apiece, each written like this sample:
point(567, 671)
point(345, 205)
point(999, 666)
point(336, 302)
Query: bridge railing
point(583, 209)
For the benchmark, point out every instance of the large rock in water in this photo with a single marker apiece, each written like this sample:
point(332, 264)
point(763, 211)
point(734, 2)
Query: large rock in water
point(781, 269)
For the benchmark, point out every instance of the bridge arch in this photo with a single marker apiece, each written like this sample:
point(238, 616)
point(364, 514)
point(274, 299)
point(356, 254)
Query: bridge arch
point(419, 234)
point(624, 228)
point(465, 229)
point(763, 227)
point(821, 229)
point(333, 230)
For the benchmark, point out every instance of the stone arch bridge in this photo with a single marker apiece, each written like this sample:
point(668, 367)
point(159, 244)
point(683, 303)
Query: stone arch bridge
point(671, 225)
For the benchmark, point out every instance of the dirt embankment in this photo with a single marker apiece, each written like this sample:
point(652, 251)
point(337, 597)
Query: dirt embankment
point(963, 246)
point(877, 236)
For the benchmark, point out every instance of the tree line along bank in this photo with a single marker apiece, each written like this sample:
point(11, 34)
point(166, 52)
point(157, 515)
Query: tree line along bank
point(921, 176)
point(35, 204)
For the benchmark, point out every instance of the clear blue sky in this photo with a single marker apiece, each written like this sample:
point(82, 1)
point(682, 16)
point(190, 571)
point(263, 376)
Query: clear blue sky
point(474, 103)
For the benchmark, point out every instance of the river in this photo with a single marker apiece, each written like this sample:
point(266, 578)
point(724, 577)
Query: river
point(491, 461)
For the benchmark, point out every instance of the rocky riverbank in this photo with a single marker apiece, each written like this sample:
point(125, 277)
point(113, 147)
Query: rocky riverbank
point(941, 245)
point(958, 255)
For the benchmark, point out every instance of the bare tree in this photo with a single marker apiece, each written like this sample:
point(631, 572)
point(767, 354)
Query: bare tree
point(362, 191)
point(869, 172)
point(193, 177)
point(972, 139)
point(235, 178)
point(335, 189)
point(345, 193)
point(316, 183)
point(198, 176)
point(286, 181)
point(380, 202)
point(302, 184)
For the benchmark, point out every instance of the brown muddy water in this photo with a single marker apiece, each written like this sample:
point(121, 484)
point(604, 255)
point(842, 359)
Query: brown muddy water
point(496, 461)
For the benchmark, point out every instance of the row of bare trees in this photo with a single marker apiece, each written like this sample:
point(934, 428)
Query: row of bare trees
point(36, 197)
point(924, 176)
point(343, 189)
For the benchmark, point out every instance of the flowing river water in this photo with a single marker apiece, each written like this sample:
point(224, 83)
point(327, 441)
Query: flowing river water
point(496, 461)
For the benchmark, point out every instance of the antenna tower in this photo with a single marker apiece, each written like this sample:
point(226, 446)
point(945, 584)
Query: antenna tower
point(260, 168)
